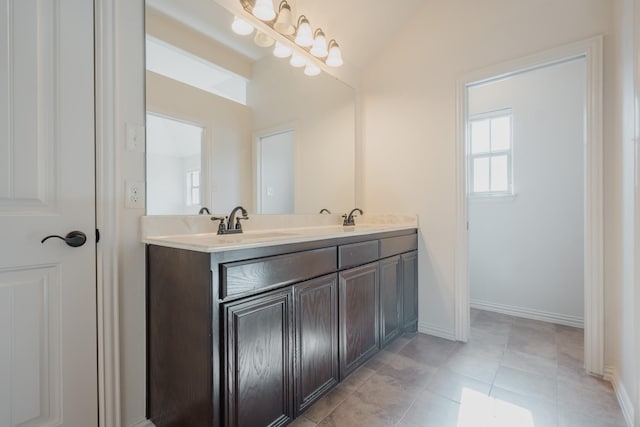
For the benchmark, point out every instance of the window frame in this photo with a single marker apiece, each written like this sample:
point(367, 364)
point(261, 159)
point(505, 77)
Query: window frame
point(490, 115)
point(191, 187)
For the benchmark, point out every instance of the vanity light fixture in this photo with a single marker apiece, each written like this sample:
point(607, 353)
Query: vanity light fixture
point(319, 47)
point(298, 60)
point(311, 69)
point(311, 46)
point(334, 59)
point(284, 24)
point(282, 50)
point(242, 27)
point(263, 10)
point(304, 36)
point(263, 40)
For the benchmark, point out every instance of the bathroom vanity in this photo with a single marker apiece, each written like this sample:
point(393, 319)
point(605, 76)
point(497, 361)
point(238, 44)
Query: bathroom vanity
point(251, 330)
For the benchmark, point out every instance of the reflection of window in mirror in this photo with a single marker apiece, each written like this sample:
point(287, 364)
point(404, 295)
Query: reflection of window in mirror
point(173, 153)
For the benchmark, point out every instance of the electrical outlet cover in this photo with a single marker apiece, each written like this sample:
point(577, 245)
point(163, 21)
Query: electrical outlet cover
point(134, 195)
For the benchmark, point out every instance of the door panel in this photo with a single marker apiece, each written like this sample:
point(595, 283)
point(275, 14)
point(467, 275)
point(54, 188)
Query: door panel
point(359, 327)
point(410, 290)
point(259, 361)
point(390, 299)
point(316, 320)
point(48, 353)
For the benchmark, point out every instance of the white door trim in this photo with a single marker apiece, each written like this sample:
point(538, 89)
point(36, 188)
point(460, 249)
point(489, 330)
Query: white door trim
point(591, 50)
point(107, 215)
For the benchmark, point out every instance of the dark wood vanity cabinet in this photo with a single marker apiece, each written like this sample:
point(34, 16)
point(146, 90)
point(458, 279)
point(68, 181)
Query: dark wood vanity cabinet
point(253, 337)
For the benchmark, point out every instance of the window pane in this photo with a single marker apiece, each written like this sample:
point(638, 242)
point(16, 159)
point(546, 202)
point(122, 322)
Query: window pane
point(195, 196)
point(195, 178)
point(499, 173)
point(481, 175)
point(501, 133)
point(480, 136)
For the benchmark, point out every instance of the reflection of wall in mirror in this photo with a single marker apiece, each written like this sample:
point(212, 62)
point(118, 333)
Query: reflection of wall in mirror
point(322, 111)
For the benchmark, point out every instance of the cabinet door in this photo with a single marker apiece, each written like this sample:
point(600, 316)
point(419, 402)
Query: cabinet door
point(258, 358)
point(410, 290)
point(359, 316)
point(390, 299)
point(316, 320)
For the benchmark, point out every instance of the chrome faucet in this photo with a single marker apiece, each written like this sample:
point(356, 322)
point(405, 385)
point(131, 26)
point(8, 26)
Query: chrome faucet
point(203, 210)
point(231, 228)
point(349, 219)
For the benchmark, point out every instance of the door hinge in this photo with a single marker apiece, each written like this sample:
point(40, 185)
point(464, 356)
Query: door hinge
point(97, 235)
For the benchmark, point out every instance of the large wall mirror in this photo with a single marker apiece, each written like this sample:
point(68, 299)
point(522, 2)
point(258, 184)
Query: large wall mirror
point(230, 124)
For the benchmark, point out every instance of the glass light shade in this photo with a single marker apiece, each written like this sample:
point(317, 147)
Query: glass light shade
point(282, 51)
point(334, 59)
point(263, 10)
point(311, 69)
point(319, 48)
point(298, 60)
point(240, 26)
point(304, 37)
point(283, 23)
point(263, 40)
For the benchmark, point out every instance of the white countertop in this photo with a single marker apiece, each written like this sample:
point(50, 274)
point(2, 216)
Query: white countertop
point(193, 237)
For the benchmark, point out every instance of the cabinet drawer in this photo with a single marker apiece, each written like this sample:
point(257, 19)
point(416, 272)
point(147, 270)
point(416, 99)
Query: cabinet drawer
point(398, 245)
point(245, 277)
point(357, 254)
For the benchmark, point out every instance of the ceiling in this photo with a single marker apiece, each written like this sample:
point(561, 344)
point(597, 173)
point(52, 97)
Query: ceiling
point(361, 27)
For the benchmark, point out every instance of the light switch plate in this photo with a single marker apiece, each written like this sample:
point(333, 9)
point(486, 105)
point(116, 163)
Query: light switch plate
point(135, 138)
point(134, 195)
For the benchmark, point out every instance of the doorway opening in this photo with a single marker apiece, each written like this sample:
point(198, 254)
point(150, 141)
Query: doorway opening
point(502, 167)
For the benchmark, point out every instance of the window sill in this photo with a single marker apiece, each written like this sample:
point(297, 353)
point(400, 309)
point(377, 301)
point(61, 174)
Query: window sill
point(492, 197)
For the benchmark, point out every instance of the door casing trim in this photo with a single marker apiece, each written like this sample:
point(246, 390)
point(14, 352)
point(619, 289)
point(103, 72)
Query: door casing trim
point(592, 51)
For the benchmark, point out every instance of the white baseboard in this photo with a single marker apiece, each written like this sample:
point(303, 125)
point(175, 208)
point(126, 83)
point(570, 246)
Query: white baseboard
point(143, 423)
point(528, 313)
point(436, 331)
point(611, 374)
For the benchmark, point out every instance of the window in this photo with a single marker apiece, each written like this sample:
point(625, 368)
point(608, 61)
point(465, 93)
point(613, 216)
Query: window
point(193, 188)
point(490, 147)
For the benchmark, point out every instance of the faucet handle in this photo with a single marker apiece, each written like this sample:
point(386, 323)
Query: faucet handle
point(238, 226)
point(221, 225)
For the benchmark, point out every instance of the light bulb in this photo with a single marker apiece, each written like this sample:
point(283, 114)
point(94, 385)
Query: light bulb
point(311, 69)
point(263, 10)
point(304, 37)
point(283, 23)
point(240, 26)
point(298, 60)
point(319, 48)
point(263, 40)
point(334, 59)
point(282, 51)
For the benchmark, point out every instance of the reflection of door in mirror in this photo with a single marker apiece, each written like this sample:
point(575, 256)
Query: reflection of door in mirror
point(276, 173)
point(174, 166)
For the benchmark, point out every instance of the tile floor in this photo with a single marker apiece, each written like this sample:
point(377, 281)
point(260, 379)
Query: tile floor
point(513, 372)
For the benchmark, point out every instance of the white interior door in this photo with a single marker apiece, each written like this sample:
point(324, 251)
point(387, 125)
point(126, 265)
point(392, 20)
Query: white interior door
point(48, 356)
point(277, 173)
